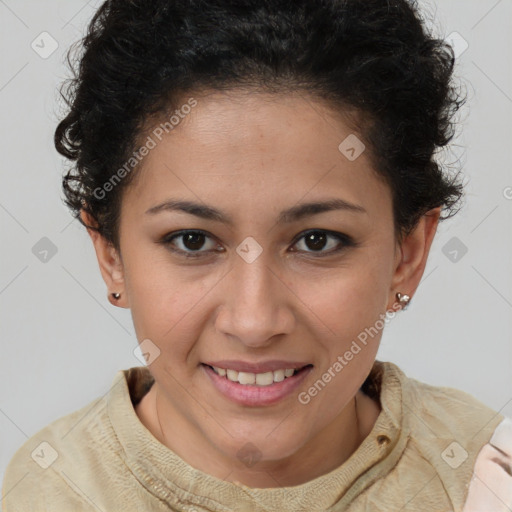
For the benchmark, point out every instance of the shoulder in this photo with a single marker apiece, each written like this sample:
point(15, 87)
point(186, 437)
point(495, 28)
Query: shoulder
point(433, 411)
point(448, 429)
point(447, 413)
point(42, 468)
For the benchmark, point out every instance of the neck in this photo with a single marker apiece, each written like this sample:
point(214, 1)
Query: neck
point(330, 448)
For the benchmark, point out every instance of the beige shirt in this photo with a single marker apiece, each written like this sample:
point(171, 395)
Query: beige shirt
point(419, 456)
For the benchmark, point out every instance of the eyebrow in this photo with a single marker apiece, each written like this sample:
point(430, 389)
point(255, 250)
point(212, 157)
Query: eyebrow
point(292, 214)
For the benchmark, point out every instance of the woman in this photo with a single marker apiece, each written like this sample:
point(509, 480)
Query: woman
point(259, 184)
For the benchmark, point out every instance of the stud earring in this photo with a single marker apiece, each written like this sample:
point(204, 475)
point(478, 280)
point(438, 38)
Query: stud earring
point(116, 295)
point(403, 299)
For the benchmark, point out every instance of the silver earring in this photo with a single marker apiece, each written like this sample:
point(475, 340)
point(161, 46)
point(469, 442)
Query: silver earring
point(116, 295)
point(403, 299)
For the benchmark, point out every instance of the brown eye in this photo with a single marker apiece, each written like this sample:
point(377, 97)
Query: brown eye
point(318, 240)
point(193, 241)
point(315, 240)
point(189, 243)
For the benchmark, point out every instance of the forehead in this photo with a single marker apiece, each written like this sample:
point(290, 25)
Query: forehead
point(237, 150)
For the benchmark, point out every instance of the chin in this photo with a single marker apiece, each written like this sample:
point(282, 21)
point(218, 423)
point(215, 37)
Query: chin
point(264, 448)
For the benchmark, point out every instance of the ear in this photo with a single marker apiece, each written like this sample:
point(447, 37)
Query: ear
point(412, 256)
point(110, 263)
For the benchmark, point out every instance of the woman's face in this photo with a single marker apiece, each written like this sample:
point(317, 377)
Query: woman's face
point(256, 286)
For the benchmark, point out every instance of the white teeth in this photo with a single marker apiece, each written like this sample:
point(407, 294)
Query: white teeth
point(264, 379)
point(278, 375)
point(260, 379)
point(231, 374)
point(246, 378)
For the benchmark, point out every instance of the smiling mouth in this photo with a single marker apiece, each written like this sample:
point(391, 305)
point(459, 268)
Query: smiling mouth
point(258, 379)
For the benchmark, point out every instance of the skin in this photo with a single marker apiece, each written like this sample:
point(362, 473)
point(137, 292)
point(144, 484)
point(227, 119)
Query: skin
point(239, 152)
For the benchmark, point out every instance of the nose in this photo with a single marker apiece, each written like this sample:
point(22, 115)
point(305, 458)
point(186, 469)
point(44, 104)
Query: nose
point(256, 304)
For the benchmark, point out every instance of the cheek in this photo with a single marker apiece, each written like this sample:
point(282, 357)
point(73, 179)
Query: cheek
point(163, 302)
point(351, 309)
point(346, 300)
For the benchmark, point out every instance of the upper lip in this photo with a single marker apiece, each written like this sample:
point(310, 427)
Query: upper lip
point(261, 367)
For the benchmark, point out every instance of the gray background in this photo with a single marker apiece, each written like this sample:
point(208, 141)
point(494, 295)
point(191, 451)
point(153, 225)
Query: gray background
point(62, 341)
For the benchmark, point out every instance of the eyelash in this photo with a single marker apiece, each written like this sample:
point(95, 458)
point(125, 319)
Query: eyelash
point(346, 241)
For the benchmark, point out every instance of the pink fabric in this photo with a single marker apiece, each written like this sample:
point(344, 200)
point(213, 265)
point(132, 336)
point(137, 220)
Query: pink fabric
point(491, 485)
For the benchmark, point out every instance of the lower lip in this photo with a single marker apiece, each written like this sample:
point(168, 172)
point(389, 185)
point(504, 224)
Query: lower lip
point(247, 394)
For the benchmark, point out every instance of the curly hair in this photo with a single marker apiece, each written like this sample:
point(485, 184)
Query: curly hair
point(374, 57)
